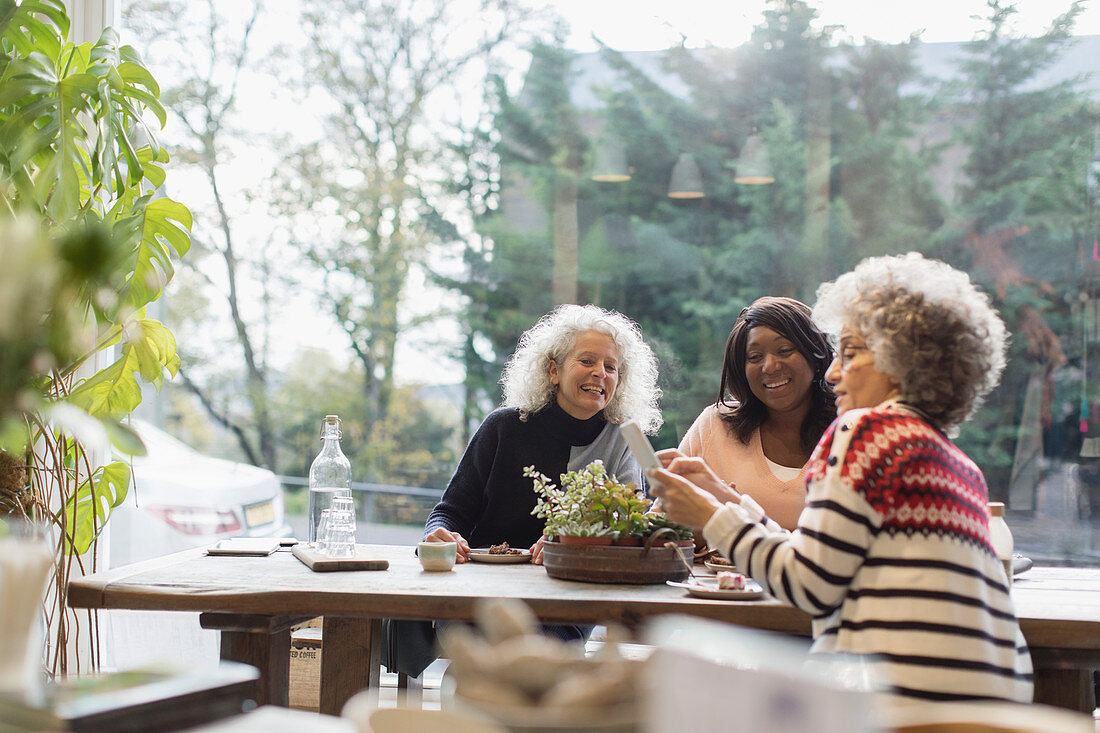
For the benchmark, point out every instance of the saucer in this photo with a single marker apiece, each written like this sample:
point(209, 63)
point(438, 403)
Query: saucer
point(708, 588)
point(482, 555)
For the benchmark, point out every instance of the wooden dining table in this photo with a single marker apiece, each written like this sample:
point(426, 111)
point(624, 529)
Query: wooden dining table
point(254, 602)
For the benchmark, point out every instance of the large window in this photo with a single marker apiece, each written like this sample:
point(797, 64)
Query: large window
point(388, 193)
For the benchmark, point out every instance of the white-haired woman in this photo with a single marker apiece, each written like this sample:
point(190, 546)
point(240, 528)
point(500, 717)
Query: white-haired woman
point(892, 555)
point(575, 376)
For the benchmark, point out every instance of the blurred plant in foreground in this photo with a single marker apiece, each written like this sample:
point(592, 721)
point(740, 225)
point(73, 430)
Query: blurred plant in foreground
point(85, 245)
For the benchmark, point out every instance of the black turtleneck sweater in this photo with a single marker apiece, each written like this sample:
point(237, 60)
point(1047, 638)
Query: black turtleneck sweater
point(489, 500)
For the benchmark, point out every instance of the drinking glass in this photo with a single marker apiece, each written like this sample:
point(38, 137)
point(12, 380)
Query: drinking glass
point(345, 504)
point(340, 533)
point(322, 531)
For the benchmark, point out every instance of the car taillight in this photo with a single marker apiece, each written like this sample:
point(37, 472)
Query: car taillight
point(197, 520)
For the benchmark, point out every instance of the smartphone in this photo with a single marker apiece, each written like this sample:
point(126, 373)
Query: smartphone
point(639, 445)
point(258, 546)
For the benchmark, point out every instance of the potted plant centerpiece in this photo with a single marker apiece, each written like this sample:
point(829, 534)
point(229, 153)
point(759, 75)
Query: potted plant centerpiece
point(601, 529)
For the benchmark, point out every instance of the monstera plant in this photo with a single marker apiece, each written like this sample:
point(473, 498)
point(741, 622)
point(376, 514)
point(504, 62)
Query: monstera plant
point(86, 243)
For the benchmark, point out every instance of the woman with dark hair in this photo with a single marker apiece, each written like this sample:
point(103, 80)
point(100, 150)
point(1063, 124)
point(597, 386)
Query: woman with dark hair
point(773, 405)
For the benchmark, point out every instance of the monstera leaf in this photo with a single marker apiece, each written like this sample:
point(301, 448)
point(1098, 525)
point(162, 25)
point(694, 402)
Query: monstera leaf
point(148, 349)
point(76, 152)
point(89, 507)
point(34, 25)
point(164, 239)
point(70, 116)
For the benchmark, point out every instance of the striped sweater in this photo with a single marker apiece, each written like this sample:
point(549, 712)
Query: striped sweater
point(893, 558)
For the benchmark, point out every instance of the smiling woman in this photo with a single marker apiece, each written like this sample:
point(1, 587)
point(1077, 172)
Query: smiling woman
point(773, 405)
point(587, 377)
point(575, 376)
point(855, 379)
point(546, 348)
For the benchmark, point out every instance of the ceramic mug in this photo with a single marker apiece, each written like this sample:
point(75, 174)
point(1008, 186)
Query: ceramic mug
point(437, 556)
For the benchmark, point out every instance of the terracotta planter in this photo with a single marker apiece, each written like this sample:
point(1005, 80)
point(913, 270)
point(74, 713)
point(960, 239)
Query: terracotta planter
point(590, 541)
point(628, 542)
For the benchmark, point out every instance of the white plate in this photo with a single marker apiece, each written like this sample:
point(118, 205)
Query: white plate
point(708, 588)
point(716, 567)
point(482, 555)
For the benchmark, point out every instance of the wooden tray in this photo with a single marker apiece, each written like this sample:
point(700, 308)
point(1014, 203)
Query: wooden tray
point(319, 563)
point(614, 564)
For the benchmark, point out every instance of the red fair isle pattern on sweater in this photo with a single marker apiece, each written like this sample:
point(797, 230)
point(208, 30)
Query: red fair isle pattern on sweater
point(914, 477)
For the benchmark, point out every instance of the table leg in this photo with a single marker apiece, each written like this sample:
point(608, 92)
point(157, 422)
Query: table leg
point(268, 653)
point(1063, 677)
point(1066, 688)
point(263, 642)
point(351, 659)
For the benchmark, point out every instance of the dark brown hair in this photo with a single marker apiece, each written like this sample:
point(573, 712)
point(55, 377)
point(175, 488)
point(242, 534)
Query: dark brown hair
point(744, 412)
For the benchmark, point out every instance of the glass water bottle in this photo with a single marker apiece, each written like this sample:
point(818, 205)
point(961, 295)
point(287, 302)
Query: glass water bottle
point(329, 475)
point(1001, 536)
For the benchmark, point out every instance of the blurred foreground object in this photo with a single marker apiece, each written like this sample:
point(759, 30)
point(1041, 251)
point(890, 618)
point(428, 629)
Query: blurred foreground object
point(87, 241)
point(368, 718)
point(982, 717)
point(155, 699)
point(708, 676)
point(527, 681)
point(25, 563)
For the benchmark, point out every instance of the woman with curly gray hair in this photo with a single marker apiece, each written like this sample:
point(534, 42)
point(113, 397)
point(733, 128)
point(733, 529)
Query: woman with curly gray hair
point(530, 378)
point(892, 555)
point(926, 326)
point(575, 376)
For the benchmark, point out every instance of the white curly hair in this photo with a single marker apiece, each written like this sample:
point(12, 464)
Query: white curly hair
point(526, 376)
point(925, 323)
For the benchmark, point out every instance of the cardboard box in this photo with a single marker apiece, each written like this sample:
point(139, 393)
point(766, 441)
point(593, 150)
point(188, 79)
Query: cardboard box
point(305, 667)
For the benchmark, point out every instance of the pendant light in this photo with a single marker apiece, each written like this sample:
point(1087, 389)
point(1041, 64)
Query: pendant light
point(610, 164)
point(754, 166)
point(686, 182)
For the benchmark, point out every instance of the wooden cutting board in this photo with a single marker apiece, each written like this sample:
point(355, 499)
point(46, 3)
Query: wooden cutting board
point(319, 563)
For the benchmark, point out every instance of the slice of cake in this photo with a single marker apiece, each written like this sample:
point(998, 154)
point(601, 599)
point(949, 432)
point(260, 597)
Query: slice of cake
point(731, 581)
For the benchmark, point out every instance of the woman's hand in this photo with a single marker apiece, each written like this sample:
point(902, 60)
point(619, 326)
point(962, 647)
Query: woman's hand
point(699, 473)
point(439, 534)
point(681, 500)
point(668, 455)
point(536, 550)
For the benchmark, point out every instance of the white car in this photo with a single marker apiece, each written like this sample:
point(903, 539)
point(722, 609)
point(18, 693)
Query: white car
point(181, 498)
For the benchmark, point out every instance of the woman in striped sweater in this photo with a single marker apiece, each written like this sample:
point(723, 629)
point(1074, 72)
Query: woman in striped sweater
point(892, 555)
